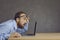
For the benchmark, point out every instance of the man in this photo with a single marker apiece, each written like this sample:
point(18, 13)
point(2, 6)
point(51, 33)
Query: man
point(15, 27)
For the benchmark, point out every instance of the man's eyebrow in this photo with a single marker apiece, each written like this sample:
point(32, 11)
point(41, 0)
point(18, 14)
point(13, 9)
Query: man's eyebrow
point(23, 15)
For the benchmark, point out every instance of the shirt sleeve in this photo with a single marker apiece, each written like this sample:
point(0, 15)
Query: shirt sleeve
point(6, 28)
point(5, 32)
point(1, 37)
point(19, 30)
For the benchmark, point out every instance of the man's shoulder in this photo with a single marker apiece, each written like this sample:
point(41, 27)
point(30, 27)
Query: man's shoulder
point(8, 22)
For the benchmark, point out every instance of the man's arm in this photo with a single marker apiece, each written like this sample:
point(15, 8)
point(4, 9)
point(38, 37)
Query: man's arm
point(2, 37)
point(5, 31)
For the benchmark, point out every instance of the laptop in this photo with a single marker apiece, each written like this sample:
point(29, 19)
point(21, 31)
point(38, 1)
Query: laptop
point(32, 34)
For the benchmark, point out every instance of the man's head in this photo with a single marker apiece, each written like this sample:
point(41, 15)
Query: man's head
point(21, 19)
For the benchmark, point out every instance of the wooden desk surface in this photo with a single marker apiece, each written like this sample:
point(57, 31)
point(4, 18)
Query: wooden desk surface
point(40, 36)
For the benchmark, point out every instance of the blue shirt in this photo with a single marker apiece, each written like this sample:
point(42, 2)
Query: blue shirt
point(10, 26)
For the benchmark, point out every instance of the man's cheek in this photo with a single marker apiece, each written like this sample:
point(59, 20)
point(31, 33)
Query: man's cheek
point(22, 23)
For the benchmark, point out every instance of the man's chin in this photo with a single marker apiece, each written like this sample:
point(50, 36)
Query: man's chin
point(22, 26)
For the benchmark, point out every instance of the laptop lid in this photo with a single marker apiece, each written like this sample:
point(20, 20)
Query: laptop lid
point(34, 32)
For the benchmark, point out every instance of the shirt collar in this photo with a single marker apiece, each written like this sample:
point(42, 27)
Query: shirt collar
point(15, 24)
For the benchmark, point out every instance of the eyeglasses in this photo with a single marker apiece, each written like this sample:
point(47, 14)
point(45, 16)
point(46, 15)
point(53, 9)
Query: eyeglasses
point(24, 17)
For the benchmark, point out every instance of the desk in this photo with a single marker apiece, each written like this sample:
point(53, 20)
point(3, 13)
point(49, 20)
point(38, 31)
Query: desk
point(40, 36)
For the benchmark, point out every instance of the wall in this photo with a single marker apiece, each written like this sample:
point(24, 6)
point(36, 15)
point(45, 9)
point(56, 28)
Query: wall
point(45, 12)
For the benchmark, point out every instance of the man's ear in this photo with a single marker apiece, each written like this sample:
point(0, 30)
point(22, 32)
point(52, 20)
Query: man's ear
point(17, 19)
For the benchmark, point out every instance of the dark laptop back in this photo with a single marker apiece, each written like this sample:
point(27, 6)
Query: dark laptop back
point(34, 30)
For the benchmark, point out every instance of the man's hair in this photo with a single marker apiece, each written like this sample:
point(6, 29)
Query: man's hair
point(17, 15)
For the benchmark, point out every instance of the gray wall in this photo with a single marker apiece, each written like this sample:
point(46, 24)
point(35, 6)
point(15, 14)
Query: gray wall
point(45, 12)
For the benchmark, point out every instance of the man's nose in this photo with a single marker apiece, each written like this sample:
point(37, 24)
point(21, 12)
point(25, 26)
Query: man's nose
point(26, 21)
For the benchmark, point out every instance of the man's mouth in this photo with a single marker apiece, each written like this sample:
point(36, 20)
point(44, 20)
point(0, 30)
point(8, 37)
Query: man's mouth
point(24, 23)
point(22, 26)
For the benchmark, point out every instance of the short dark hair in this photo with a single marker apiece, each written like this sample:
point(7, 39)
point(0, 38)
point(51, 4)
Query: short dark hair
point(17, 15)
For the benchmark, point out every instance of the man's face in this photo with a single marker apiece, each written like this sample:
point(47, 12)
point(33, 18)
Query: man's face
point(22, 20)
